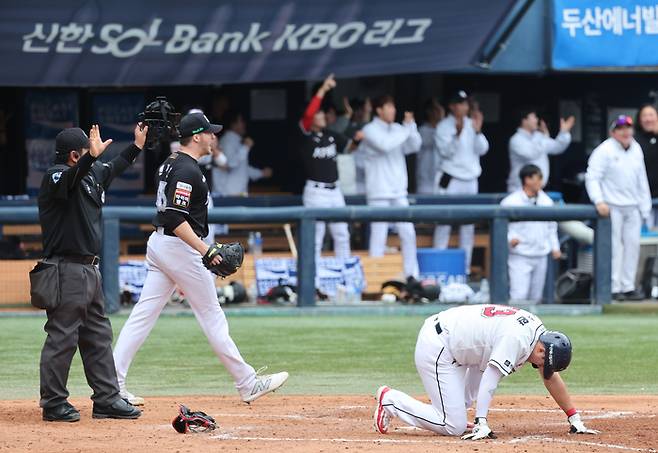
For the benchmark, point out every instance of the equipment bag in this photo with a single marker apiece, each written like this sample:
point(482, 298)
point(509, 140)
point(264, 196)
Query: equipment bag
point(574, 286)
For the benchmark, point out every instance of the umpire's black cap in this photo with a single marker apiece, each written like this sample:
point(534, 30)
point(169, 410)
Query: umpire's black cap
point(195, 123)
point(71, 139)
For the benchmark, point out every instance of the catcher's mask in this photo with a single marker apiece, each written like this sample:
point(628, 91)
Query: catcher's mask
point(189, 421)
point(557, 355)
point(162, 119)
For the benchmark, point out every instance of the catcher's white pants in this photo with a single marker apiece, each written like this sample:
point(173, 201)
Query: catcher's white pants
point(626, 225)
point(451, 388)
point(406, 231)
point(171, 262)
point(320, 197)
point(466, 232)
point(527, 277)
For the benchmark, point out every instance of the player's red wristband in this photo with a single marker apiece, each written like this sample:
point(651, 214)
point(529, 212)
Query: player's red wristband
point(571, 412)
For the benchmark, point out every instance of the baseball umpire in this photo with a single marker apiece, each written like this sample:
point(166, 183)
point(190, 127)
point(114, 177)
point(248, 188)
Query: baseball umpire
point(177, 256)
point(462, 354)
point(70, 206)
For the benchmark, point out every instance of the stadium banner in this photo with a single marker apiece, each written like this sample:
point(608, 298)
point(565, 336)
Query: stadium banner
point(334, 275)
point(164, 42)
point(116, 113)
point(600, 33)
point(47, 112)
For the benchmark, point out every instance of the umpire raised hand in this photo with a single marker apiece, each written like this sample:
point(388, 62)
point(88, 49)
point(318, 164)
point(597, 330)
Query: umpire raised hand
point(70, 207)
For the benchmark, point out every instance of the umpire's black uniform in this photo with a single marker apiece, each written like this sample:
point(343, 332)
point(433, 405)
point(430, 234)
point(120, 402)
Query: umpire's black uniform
point(70, 208)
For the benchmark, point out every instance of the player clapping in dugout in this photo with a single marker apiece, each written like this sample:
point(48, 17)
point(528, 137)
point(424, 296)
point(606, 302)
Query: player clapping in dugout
point(384, 144)
point(532, 144)
point(460, 143)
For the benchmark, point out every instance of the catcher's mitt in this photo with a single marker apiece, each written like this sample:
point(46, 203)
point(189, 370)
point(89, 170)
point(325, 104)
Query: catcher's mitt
point(196, 422)
point(232, 255)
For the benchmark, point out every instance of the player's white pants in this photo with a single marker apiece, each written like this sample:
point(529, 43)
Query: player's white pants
point(406, 231)
point(171, 262)
point(466, 232)
point(527, 277)
point(626, 225)
point(445, 383)
point(319, 197)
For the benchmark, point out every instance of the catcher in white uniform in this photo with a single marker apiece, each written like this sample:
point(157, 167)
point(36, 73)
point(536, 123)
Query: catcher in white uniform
point(461, 355)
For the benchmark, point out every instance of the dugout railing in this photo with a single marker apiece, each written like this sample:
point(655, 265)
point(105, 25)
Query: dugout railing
point(498, 218)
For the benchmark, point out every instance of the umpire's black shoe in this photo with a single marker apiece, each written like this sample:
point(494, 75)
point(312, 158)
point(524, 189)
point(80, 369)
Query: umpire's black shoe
point(119, 409)
point(619, 297)
point(65, 412)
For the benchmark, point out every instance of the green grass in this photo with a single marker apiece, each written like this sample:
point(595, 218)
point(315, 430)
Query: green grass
point(334, 355)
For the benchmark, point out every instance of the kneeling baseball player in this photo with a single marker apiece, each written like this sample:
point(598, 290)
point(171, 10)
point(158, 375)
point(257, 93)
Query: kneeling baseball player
point(177, 256)
point(461, 355)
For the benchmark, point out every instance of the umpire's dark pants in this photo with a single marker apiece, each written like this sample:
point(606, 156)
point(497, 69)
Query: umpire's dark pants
point(78, 321)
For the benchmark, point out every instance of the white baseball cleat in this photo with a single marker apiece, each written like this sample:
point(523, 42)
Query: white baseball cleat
point(265, 384)
point(132, 399)
point(381, 418)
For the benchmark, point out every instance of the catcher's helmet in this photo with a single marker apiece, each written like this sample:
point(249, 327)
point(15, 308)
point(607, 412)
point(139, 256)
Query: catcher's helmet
point(558, 352)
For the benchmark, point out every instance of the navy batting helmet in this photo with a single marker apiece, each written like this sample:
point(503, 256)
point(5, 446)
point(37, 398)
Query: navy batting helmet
point(558, 352)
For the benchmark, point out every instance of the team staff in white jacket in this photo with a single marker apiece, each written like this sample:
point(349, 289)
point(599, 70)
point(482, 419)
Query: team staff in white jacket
point(617, 184)
point(234, 178)
point(532, 144)
point(530, 242)
point(427, 161)
point(384, 144)
point(460, 143)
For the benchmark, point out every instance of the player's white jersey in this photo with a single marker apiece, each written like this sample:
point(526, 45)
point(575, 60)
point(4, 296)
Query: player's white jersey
point(499, 335)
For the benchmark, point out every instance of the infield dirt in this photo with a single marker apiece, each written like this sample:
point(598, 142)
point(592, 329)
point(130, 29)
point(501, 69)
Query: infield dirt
point(291, 424)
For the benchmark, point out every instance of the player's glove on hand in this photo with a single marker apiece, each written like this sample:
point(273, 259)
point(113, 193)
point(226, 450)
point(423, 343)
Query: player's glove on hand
point(481, 430)
point(196, 422)
point(578, 427)
point(231, 256)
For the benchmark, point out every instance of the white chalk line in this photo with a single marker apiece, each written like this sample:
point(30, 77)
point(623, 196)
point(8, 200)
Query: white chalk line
point(520, 440)
point(549, 411)
point(603, 414)
point(527, 439)
point(229, 436)
point(268, 416)
point(595, 414)
point(586, 414)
